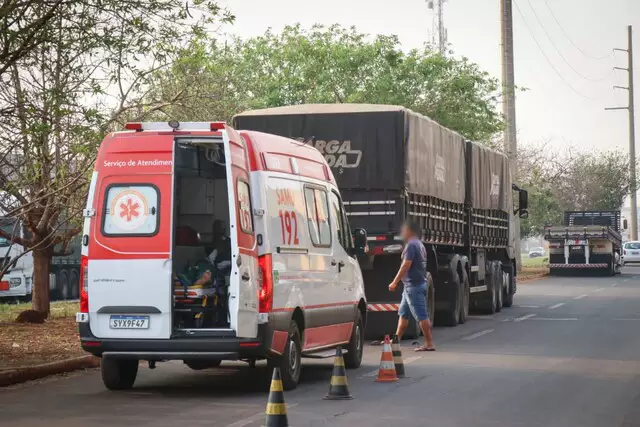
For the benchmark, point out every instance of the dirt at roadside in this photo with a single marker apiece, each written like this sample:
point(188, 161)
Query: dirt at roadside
point(24, 345)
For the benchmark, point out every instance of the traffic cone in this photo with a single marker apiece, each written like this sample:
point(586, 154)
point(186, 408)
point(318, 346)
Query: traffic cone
point(339, 389)
point(387, 372)
point(397, 357)
point(276, 413)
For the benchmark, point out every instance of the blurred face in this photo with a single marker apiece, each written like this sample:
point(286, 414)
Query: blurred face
point(405, 232)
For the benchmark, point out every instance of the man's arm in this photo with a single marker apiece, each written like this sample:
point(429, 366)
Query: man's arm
point(404, 268)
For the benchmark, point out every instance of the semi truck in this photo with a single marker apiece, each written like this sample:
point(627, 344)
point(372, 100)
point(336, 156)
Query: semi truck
point(17, 282)
point(393, 164)
point(587, 240)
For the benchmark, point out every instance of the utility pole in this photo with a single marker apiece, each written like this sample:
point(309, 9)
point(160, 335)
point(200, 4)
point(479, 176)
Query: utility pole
point(509, 103)
point(632, 138)
point(438, 24)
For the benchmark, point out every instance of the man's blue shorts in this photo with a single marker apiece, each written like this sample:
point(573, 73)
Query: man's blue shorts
point(414, 301)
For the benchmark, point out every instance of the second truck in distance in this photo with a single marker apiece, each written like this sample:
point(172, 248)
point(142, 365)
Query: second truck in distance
point(392, 164)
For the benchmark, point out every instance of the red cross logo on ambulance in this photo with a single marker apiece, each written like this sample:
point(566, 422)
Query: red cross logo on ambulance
point(129, 210)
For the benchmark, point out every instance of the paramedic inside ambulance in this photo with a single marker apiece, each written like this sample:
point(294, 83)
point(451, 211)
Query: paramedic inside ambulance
point(220, 256)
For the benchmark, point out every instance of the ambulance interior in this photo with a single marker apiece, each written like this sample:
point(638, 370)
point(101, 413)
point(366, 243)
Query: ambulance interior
point(202, 248)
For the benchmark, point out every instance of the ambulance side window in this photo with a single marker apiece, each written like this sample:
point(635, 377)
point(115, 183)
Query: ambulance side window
point(344, 233)
point(131, 210)
point(318, 216)
point(244, 207)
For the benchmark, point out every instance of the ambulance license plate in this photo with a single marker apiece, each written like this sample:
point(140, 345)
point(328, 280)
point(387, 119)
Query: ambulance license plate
point(129, 322)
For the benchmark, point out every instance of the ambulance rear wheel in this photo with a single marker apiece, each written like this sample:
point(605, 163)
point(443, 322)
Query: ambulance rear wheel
point(290, 362)
point(118, 374)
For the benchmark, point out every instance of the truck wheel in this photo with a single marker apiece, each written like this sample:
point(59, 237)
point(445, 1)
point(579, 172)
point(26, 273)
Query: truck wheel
point(498, 284)
point(63, 285)
point(490, 302)
point(74, 281)
point(431, 299)
point(451, 315)
point(118, 374)
point(507, 298)
point(353, 358)
point(464, 307)
point(290, 362)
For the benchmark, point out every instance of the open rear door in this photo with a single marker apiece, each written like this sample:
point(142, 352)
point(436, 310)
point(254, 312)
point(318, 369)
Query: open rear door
point(243, 299)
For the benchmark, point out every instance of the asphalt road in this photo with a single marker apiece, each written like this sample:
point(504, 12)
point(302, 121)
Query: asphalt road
point(567, 354)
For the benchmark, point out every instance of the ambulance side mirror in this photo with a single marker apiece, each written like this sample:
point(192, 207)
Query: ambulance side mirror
point(360, 241)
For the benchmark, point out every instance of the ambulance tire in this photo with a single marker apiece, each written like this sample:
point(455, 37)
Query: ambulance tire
point(290, 363)
point(118, 374)
point(355, 348)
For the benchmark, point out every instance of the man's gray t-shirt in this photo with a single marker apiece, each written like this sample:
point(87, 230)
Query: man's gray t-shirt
point(415, 252)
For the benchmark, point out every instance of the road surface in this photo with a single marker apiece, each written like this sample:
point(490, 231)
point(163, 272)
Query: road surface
point(567, 354)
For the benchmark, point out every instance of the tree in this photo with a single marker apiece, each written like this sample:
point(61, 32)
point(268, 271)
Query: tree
point(332, 65)
point(89, 73)
point(561, 180)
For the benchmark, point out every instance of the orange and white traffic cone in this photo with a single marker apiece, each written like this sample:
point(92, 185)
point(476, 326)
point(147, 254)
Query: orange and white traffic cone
point(387, 372)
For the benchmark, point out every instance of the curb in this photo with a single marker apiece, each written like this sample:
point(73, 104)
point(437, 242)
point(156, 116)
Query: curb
point(20, 375)
point(533, 278)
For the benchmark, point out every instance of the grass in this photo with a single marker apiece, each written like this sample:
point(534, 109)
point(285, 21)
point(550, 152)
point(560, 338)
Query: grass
point(59, 310)
point(534, 262)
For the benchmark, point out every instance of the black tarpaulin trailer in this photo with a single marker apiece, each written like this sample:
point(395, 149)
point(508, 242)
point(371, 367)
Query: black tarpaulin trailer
point(392, 164)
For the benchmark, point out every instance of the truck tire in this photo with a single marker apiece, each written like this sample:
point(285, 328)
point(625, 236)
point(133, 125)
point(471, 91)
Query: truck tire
point(507, 298)
point(63, 288)
point(118, 374)
point(431, 299)
point(488, 305)
point(355, 348)
point(466, 296)
point(74, 281)
point(498, 284)
point(451, 316)
point(290, 362)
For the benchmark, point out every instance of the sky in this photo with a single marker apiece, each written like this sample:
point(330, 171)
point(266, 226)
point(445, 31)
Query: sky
point(563, 53)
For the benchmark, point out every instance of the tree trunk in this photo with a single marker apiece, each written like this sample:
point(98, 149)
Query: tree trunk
point(41, 269)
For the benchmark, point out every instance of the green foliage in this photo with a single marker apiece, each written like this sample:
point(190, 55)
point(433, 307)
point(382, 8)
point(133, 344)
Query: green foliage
point(559, 181)
point(331, 65)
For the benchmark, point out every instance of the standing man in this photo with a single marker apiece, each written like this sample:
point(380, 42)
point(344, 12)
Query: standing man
point(413, 275)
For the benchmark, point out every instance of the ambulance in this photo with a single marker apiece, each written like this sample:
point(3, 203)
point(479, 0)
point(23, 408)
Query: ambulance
point(203, 244)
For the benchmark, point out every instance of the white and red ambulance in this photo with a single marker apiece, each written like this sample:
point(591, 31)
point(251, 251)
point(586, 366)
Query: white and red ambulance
point(204, 244)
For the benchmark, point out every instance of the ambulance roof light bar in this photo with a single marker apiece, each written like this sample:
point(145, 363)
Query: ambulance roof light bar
point(175, 126)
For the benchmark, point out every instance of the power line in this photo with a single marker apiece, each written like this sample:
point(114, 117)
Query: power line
point(571, 40)
point(577, 92)
point(592, 79)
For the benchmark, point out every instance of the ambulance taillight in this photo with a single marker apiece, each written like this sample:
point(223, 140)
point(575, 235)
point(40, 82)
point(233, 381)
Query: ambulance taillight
point(84, 285)
point(265, 283)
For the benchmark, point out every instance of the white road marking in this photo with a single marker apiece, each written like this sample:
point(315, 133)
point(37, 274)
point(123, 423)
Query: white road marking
point(525, 317)
point(372, 373)
point(556, 318)
point(480, 317)
point(558, 305)
point(477, 334)
point(411, 359)
point(599, 290)
point(580, 296)
point(614, 285)
point(628, 318)
point(528, 306)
